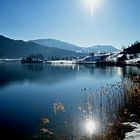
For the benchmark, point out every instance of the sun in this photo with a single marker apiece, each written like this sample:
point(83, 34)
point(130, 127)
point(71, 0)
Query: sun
point(91, 5)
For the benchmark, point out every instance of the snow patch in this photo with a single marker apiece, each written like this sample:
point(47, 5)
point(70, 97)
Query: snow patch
point(135, 134)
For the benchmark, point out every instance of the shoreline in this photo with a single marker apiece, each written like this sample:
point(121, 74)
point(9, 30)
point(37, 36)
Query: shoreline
point(129, 113)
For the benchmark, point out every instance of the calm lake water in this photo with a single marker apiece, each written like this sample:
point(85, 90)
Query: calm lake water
point(28, 94)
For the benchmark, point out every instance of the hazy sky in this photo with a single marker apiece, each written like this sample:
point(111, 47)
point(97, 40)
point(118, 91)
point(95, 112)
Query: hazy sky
point(115, 22)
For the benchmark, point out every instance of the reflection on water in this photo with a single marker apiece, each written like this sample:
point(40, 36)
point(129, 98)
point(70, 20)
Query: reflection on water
point(46, 73)
point(58, 99)
point(34, 68)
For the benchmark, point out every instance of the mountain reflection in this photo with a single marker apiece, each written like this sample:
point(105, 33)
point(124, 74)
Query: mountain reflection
point(38, 73)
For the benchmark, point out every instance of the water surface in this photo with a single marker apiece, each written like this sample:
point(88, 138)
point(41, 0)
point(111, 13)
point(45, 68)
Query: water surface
point(28, 93)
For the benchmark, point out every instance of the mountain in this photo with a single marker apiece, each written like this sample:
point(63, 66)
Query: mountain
point(99, 49)
point(72, 47)
point(10, 48)
point(57, 43)
point(133, 49)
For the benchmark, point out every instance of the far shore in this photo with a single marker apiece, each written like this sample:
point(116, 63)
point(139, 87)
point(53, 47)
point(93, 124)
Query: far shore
point(71, 62)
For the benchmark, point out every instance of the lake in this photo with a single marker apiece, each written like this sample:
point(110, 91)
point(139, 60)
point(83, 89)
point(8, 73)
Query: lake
point(30, 92)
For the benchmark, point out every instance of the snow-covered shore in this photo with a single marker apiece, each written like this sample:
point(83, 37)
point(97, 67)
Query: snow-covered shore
point(135, 134)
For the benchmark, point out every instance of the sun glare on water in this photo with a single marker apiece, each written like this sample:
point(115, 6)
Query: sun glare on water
point(91, 5)
point(91, 126)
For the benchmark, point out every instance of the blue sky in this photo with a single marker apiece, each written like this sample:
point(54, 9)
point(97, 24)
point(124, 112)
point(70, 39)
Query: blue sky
point(115, 22)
